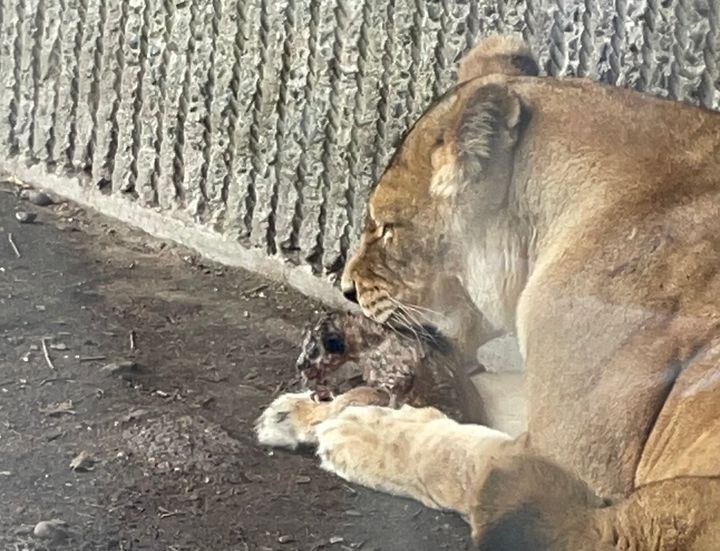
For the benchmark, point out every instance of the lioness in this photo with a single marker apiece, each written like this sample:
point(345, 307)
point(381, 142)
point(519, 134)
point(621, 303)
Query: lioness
point(585, 219)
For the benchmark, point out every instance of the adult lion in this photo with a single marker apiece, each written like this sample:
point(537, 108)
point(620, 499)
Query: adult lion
point(585, 219)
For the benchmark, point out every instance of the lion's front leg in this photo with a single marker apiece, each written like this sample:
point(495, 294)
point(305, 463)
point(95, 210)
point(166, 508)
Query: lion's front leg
point(369, 446)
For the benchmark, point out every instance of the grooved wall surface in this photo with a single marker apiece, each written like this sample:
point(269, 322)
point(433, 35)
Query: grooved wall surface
point(265, 121)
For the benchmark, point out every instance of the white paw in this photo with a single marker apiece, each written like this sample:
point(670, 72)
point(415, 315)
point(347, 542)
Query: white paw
point(280, 425)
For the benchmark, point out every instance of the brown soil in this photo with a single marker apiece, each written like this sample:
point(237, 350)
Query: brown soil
point(176, 465)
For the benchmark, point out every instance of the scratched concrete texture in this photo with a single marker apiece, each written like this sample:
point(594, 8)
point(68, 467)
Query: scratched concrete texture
point(254, 128)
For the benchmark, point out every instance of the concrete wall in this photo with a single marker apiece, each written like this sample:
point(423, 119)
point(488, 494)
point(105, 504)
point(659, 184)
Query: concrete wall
point(252, 129)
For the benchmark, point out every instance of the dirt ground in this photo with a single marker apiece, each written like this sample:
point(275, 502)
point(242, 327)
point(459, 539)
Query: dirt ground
point(175, 465)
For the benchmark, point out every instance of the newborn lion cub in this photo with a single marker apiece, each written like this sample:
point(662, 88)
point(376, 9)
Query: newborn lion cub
point(341, 351)
point(364, 442)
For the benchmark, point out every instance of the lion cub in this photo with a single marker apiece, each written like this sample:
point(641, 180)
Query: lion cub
point(341, 351)
point(364, 442)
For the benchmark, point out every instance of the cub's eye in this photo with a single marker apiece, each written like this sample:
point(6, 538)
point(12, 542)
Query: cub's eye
point(334, 344)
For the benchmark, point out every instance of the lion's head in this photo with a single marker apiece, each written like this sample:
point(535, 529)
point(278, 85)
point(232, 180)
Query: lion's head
point(407, 266)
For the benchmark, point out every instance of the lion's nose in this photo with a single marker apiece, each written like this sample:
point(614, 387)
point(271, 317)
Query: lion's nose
point(350, 293)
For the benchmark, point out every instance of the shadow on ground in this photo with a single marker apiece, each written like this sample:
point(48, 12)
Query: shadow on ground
point(175, 464)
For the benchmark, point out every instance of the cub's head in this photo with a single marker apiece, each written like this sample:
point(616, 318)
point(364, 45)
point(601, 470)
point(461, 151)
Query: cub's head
point(454, 164)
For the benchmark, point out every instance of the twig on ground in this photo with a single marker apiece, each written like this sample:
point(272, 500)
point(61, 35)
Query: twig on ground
point(46, 353)
point(257, 289)
point(13, 245)
point(132, 340)
point(56, 380)
point(164, 513)
point(92, 358)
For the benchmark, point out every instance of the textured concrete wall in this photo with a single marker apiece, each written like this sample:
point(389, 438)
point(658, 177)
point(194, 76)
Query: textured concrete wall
point(253, 128)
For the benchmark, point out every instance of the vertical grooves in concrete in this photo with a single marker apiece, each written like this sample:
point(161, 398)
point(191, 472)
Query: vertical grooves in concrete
point(321, 52)
point(24, 122)
point(267, 121)
point(7, 62)
point(400, 93)
point(35, 57)
point(185, 53)
point(95, 88)
point(89, 64)
point(128, 115)
point(454, 43)
point(339, 142)
point(647, 63)
point(617, 44)
point(63, 113)
point(14, 104)
point(250, 198)
point(198, 92)
point(109, 95)
point(150, 118)
point(177, 38)
point(240, 191)
point(223, 113)
point(363, 110)
point(270, 122)
point(423, 74)
point(383, 110)
point(304, 187)
point(70, 141)
point(514, 16)
point(710, 78)
point(558, 48)
point(48, 66)
point(283, 100)
point(290, 154)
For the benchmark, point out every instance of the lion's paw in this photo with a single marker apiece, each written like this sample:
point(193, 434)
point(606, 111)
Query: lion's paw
point(287, 422)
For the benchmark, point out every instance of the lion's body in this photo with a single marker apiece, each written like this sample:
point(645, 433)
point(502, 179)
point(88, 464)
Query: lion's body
point(620, 312)
point(584, 219)
point(601, 252)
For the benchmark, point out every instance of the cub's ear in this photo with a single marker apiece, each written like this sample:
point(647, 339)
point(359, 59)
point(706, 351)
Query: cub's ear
point(500, 54)
point(477, 151)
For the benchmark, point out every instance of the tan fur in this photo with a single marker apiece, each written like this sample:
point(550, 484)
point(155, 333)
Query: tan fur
point(503, 54)
point(527, 503)
point(291, 419)
point(586, 220)
point(374, 446)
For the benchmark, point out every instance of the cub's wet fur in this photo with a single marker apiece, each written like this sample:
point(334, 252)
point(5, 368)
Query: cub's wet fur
point(343, 350)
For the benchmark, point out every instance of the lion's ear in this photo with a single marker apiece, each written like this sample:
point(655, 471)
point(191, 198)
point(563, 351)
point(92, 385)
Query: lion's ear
point(500, 54)
point(477, 152)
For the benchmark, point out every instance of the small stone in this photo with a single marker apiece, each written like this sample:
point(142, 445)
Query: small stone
point(286, 539)
point(25, 217)
point(59, 346)
point(50, 529)
point(302, 479)
point(246, 314)
point(83, 462)
point(335, 540)
point(121, 369)
point(40, 307)
point(39, 198)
